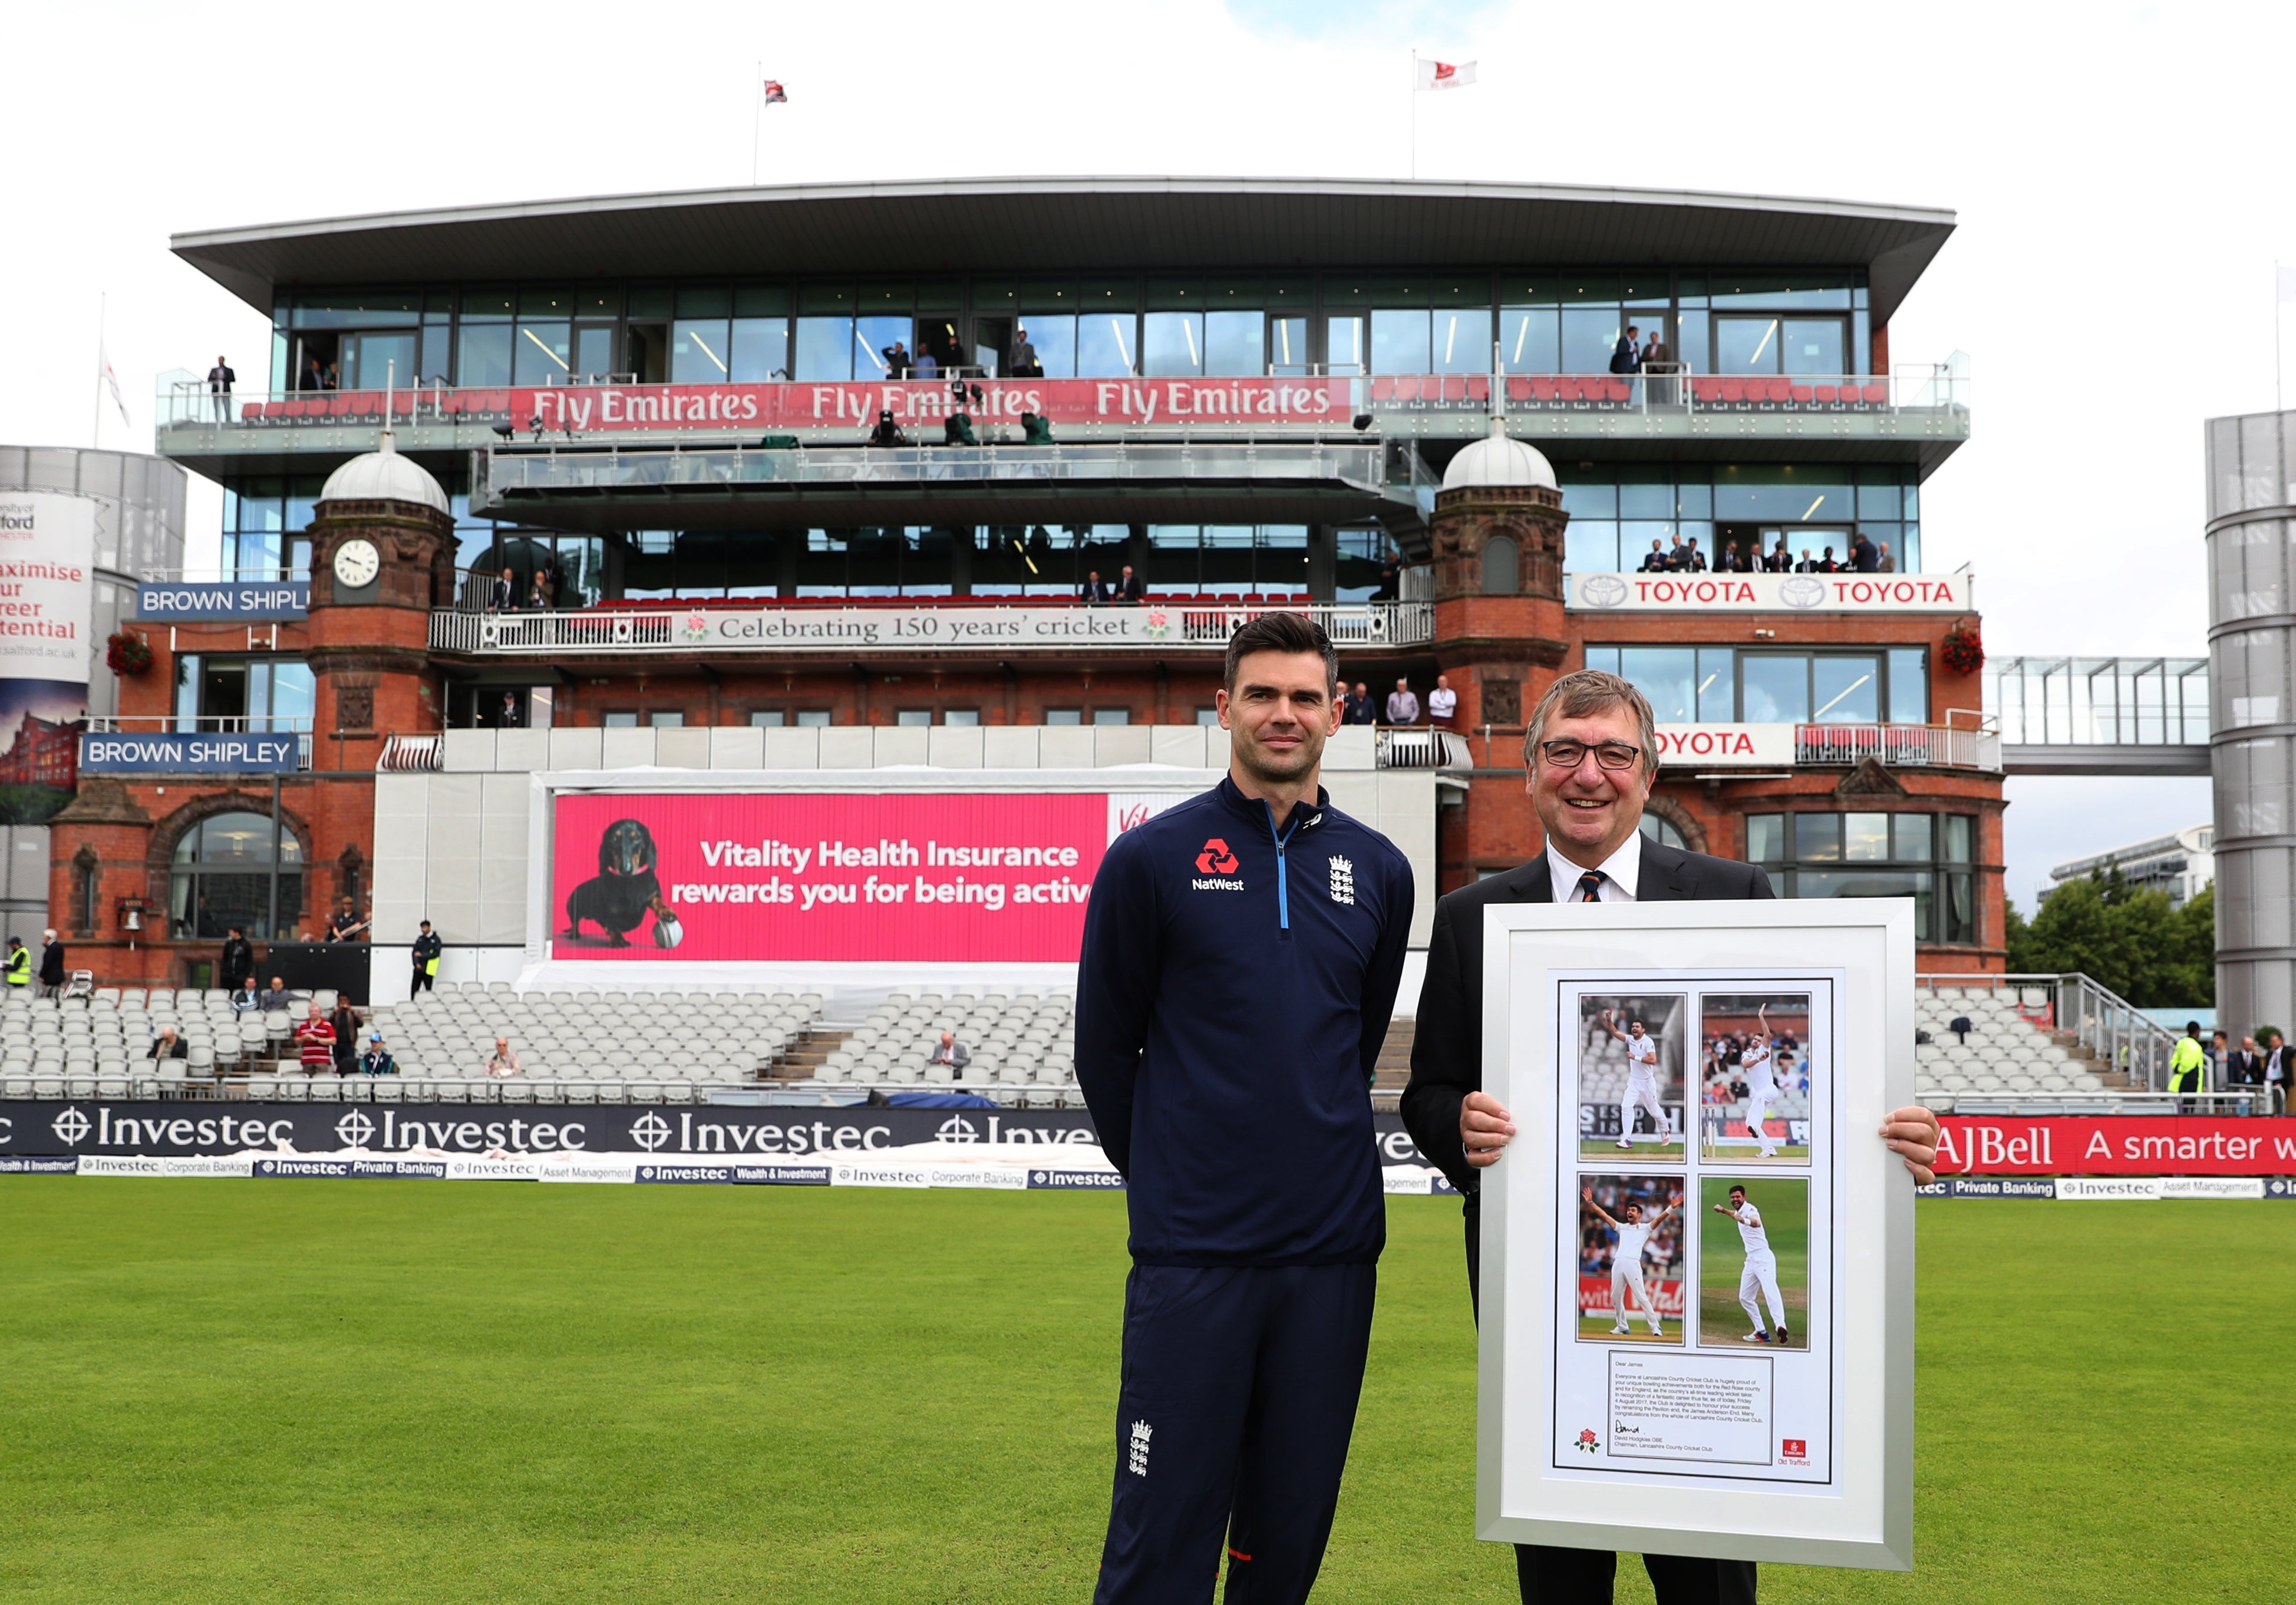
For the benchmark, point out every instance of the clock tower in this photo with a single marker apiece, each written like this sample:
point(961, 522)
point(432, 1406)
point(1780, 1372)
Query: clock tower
point(382, 556)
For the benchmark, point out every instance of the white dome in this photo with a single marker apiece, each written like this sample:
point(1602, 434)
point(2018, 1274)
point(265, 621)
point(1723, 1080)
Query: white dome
point(1497, 459)
point(383, 476)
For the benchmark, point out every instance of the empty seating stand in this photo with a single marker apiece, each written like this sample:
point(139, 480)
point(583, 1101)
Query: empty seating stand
point(2009, 1052)
point(1022, 1047)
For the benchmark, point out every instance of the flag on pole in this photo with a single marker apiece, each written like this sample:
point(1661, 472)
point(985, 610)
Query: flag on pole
point(1443, 75)
point(2287, 277)
point(776, 95)
point(112, 379)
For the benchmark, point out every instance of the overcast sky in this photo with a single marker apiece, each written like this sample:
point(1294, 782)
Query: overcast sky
point(2115, 168)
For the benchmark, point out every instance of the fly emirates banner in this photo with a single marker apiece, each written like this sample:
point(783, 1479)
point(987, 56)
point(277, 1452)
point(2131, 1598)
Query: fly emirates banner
point(953, 878)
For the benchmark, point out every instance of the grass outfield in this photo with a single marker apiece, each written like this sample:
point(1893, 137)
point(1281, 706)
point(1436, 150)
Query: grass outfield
point(255, 1391)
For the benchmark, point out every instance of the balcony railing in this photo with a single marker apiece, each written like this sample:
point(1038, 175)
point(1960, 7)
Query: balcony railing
point(1287, 400)
point(1899, 746)
point(840, 628)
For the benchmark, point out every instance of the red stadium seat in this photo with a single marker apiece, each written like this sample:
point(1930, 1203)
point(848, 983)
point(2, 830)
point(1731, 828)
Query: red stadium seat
point(1479, 389)
point(1382, 389)
point(1455, 389)
point(1801, 393)
point(1826, 393)
point(1733, 391)
point(1876, 394)
point(1406, 387)
point(1780, 389)
point(1546, 387)
point(1518, 388)
point(1707, 387)
point(340, 407)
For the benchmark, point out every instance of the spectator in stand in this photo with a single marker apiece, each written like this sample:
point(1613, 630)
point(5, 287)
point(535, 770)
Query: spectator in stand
point(313, 377)
point(276, 996)
point(220, 379)
point(1654, 561)
point(1391, 580)
point(247, 1000)
point(1360, 709)
point(426, 952)
point(1827, 563)
point(374, 1061)
point(1808, 564)
point(168, 1045)
point(1130, 591)
point(344, 925)
point(503, 1061)
point(2244, 1066)
point(951, 1053)
point(238, 961)
point(503, 597)
point(1679, 558)
point(1402, 704)
point(928, 365)
point(331, 378)
point(1781, 560)
point(1862, 558)
point(509, 716)
point(20, 967)
point(315, 1039)
point(2275, 1072)
point(345, 1021)
point(1024, 356)
point(52, 964)
point(1093, 591)
point(545, 592)
point(1442, 703)
point(1627, 356)
point(897, 361)
point(1732, 561)
point(1888, 564)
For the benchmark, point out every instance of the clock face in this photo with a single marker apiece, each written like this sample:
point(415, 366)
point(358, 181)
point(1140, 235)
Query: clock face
point(356, 563)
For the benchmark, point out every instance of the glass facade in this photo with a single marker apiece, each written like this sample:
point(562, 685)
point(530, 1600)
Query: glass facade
point(1620, 512)
point(1783, 685)
point(222, 874)
point(1436, 319)
point(1928, 857)
point(243, 693)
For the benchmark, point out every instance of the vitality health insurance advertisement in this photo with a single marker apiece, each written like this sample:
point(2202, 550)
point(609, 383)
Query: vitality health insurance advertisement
point(965, 878)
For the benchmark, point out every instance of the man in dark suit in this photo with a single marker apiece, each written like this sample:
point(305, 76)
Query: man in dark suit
point(1591, 757)
point(1862, 558)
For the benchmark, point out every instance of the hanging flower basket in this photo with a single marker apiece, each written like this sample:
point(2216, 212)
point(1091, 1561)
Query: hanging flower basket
point(127, 654)
point(1963, 651)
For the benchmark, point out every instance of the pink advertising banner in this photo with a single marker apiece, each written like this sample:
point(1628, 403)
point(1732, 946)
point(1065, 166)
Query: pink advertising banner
point(914, 402)
point(822, 877)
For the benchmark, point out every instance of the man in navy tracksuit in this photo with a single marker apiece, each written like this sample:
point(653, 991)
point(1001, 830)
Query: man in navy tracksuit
point(1241, 957)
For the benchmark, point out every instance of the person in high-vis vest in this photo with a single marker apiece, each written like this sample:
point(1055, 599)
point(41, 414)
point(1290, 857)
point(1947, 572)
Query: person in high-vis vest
point(427, 949)
point(2188, 1066)
point(20, 965)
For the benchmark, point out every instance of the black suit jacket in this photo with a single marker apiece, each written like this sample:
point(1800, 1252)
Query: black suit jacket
point(1446, 1046)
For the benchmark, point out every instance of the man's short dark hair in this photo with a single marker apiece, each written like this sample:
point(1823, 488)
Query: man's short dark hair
point(1741, 1192)
point(1291, 634)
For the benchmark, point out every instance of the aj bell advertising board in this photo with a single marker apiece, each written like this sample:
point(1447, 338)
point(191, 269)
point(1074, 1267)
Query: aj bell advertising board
point(963, 878)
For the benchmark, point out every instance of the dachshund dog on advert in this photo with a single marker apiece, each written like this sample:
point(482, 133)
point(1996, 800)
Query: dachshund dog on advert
point(624, 891)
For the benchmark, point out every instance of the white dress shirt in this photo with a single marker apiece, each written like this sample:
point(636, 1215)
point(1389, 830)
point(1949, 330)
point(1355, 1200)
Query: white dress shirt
point(1620, 873)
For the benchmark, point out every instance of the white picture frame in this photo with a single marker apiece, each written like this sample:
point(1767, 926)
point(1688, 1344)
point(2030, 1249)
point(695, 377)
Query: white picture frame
point(1543, 960)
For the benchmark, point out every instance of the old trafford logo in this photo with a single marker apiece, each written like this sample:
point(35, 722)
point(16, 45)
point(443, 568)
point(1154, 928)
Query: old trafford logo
point(1216, 859)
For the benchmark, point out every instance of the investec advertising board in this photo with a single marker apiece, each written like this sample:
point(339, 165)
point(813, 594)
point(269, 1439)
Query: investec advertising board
point(1769, 592)
point(591, 408)
point(817, 877)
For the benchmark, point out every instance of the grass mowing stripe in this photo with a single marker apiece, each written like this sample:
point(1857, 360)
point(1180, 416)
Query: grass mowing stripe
point(362, 1391)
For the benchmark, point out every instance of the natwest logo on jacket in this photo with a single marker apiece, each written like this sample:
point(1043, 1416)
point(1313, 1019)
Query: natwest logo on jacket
point(1216, 859)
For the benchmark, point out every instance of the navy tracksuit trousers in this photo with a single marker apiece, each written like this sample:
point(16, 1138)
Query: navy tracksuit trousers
point(1238, 1398)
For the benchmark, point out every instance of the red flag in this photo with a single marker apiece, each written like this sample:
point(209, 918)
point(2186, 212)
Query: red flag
point(776, 95)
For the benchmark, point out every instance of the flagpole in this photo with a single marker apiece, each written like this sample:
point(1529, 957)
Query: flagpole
point(1415, 114)
point(756, 115)
point(2275, 336)
point(95, 431)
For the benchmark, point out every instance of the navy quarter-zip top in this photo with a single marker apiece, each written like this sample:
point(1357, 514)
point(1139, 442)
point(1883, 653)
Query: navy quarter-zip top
point(1234, 990)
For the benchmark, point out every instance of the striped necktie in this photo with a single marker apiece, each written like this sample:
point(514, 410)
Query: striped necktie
point(1590, 886)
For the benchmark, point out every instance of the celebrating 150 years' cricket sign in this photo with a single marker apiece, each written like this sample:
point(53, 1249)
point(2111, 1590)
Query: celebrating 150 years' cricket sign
point(1696, 1255)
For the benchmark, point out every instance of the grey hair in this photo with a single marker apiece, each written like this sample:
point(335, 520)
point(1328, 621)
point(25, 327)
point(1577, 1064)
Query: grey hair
point(1591, 690)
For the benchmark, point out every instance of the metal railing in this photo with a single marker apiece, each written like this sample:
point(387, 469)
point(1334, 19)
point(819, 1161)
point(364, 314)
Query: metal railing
point(1899, 746)
point(2096, 1025)
point(691, 629)
point(1423, 747)
point(1929, 388)
point(2099, 702)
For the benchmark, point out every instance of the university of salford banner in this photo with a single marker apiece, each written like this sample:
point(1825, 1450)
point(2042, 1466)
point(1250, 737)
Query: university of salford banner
point(872, 877)
point(914, 404)
point(2116, 1145)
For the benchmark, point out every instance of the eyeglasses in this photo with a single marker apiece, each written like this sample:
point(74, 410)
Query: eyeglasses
point(1610, 755)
